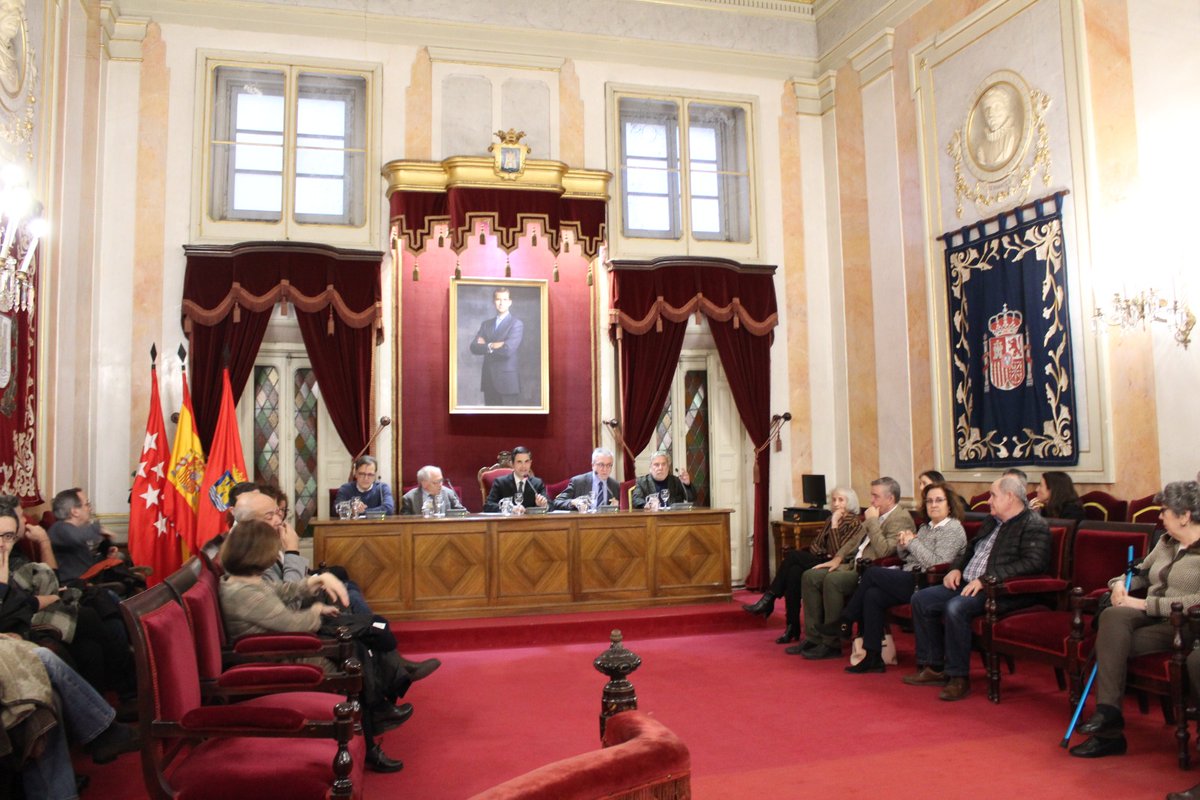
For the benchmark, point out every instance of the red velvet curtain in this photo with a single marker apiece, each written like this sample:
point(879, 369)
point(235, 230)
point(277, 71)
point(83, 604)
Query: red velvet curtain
point(229, 295)
point(739, 302)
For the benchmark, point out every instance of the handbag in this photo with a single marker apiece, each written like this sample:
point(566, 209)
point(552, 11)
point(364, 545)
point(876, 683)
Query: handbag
point(858, 653)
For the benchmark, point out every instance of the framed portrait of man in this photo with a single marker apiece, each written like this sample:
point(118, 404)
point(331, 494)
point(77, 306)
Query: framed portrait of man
point(499, 346)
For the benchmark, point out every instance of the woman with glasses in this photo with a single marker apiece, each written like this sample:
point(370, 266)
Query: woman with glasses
point(938, 541)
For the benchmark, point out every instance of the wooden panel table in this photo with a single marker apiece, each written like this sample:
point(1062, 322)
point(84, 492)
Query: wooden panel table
point(414, 568)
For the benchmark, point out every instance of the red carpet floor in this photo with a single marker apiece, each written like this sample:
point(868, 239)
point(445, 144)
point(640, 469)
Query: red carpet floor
point(758, 723)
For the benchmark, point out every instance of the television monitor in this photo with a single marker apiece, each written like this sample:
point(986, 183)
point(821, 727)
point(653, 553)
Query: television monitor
point(813, 487)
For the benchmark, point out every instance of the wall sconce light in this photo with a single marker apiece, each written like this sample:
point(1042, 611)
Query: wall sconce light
point(22, 233)
point(1147, 306)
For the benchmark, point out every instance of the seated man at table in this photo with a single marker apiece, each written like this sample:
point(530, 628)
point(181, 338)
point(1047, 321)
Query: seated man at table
point(429, 487)
point(661, 480)
point(597, 484)
point(374, 496)
point(521, 481)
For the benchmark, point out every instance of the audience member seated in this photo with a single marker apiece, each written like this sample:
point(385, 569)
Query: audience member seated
point(678, 487)
point(597, 486)
point(430, 489)
point(841, 527)
point(252, 604)
point(931, 476)
point(1057, 498)
point(938, 541)
point(825, 587)
point(365, 493)
point(37, 734)
point(521, 482)
point(1134, 626)
point(31, 608)
point(1013, 541)
point(78, 541)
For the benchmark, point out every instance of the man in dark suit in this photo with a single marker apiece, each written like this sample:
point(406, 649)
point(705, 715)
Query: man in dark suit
point(521, 481)
point(660, 478)
point(597, 484)
point(499, 342)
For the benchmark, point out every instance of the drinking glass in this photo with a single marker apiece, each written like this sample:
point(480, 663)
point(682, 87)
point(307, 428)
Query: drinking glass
point(664, 498)
point(506, 506)
point(343, 509)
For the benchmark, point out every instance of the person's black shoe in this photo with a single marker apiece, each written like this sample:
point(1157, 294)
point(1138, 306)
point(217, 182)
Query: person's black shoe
point(420, 669)
point(114, 740)
point(391, 717)
point(872, 663)
point(1106, 720)
point(765, 606)
point(81, 782)
point(379, 761)
point(797, 649)
point(1187, 794)
point(822, 651)
point(1099, 747)
point(790, 634)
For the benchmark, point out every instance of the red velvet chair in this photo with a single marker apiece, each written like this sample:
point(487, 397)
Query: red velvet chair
point(1144, 510)
point(1165, 675)
point(1099, 552)
point(1103, 507)
point(488, 477)
point(979, 502)
point(641, 760)
point(191, 750)
point(625, 501)
point(553, 490)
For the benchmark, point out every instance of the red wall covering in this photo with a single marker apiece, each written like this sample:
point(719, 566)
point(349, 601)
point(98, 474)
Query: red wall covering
point(460, 444)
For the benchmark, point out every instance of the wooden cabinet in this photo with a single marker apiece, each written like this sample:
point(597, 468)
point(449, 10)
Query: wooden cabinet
point(793, 536)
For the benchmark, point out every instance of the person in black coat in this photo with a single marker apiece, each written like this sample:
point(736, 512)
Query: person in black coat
point(520, 481)
point(660, 479)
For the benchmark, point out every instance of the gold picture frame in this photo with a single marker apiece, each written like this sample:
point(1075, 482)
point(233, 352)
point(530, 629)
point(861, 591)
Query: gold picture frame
point(499, 366)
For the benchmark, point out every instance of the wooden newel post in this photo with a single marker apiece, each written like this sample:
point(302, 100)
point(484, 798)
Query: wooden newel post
point(617, 663)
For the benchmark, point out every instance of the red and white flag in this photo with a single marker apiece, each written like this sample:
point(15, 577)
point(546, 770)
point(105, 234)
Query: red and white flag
point(152, 538)
point(226, 467)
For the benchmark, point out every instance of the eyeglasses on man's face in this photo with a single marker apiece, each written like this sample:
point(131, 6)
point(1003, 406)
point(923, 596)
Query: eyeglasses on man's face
point(9, 537)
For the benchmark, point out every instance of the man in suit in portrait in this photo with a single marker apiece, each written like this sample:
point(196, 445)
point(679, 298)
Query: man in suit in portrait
point(521, 481)
point(597, 484)
point(499, 342)
point(429, 480)
point(660, 479)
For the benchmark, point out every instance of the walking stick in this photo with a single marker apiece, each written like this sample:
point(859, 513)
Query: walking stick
point(1095, 668)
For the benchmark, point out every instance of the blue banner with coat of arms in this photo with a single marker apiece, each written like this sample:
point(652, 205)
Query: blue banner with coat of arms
point(1010, 342)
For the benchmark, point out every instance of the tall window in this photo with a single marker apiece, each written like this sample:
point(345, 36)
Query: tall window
point(684, 167)
point(288, 144)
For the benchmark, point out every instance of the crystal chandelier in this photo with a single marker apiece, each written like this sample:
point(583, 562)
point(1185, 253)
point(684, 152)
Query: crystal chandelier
point(22, 232)
point(1129, 312)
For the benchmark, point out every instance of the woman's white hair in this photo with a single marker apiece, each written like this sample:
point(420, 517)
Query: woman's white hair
point(851, 498)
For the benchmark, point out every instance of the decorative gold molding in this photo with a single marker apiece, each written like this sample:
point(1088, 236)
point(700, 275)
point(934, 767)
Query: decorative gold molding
point(121, 35)
point(479, 172)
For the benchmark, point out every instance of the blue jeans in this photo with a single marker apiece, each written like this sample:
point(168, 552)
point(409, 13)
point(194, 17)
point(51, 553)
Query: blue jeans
point(942, 622)
point(85, 713)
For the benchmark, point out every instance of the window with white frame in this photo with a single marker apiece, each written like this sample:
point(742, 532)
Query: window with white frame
point(684, 168)
point(287, 144)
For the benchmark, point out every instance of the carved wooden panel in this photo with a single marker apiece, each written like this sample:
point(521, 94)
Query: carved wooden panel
point(375, 561)
point(691, 555)
point(532, 563)
point(450, 566)
point(613, 560)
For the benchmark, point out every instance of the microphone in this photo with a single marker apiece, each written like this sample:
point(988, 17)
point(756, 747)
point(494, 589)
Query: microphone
point(383, 423)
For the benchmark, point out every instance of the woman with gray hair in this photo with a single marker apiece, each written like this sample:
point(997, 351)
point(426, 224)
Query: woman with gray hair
point(842, 526)
point(1134, 626)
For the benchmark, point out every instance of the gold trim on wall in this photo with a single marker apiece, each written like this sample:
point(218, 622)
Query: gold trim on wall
point(478, 172)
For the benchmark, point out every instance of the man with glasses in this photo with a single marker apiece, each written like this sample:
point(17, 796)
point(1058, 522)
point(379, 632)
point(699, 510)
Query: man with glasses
point(78, 541)
point(430, 485)
point(365, 492)
point(598, 485)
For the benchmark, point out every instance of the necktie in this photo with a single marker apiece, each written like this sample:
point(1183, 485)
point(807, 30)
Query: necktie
point(521, 488)
point(601, 493)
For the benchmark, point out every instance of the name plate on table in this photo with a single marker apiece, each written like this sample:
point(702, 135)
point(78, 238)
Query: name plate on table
point(681, 507)
point(536, 509)
point(607, 509)
point(456, 512)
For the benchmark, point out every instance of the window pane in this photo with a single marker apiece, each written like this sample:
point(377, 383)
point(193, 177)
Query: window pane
point(321, 117)
point(650, 213)
point(252, 192)
point(262, 152)
point(320, 162)
point(646, 181)
point(706, 216)
point(702, 144)
point(256, 112)
point(323, 196)
point(718, 172)
point(650, 167)
point(704, 184)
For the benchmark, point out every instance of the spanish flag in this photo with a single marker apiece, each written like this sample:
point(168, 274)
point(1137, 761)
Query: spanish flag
point(226, 467)
point(182, 493)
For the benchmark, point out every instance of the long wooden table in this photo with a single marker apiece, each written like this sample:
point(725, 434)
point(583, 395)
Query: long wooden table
point(414, 568)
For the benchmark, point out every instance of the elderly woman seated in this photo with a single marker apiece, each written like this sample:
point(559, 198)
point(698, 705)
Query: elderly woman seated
point(842, 526)
point(938, 541)
point(253, 605)
point(1134, 626)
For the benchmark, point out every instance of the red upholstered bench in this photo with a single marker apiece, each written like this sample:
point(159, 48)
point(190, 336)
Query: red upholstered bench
point(641, 759)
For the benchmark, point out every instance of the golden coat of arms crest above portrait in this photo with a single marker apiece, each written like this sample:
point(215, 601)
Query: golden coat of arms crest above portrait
point(1003, 142)
point(509, 154)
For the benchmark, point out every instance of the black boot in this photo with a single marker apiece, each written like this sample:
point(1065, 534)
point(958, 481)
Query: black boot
point(790, 634)
point(764, 607)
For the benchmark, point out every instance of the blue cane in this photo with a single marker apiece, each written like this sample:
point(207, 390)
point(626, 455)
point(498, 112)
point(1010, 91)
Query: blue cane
point(1095, 667)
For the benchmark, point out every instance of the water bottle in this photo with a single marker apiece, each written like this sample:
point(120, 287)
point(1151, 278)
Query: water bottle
point(427, 507)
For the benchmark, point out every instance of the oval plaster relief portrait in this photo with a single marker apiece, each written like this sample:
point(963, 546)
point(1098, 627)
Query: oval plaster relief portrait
point(13, 49)
point(998, 126)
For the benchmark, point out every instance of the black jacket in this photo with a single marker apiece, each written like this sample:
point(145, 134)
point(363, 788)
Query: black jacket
point(1022, 549)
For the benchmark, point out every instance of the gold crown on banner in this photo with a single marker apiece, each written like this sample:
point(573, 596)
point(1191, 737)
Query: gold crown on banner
point(1006, 322)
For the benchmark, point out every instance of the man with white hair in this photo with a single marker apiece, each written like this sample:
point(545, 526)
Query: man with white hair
point(1013, 541)
point(429, 485)
point(597, 484)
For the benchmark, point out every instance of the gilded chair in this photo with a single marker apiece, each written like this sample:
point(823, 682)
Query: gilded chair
point(1103, 507)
